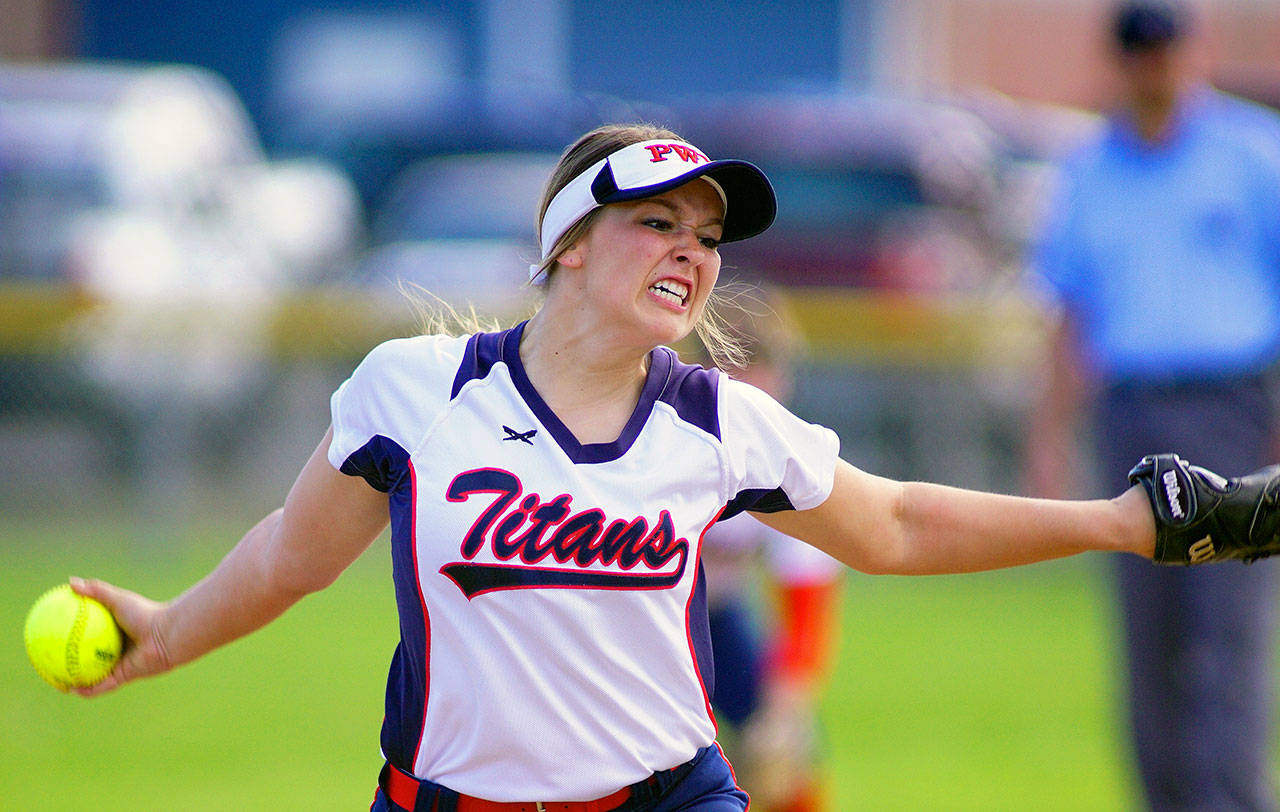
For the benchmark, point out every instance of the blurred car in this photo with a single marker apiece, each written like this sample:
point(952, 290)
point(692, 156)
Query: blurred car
point(145, 189)
point(873, 191)
point(460, 228)
point(917, 195)
point(129, 178)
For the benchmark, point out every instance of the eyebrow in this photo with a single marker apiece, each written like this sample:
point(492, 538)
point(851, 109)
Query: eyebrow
point(674, 209)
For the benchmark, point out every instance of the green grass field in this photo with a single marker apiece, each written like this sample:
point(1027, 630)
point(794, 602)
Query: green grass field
point(985, 692)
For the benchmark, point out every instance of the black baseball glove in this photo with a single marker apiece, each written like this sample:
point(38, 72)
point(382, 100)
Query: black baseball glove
point(1201, 516)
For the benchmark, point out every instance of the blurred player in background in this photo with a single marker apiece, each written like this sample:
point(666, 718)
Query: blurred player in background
point(769, 671)
point(1163, 247)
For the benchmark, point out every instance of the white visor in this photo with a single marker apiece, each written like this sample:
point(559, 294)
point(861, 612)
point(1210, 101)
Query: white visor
point(650, 168)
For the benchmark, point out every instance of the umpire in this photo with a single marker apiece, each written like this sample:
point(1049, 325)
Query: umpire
point(1162, 246)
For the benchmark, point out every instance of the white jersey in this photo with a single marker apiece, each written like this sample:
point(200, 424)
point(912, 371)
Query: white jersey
point(554, 640)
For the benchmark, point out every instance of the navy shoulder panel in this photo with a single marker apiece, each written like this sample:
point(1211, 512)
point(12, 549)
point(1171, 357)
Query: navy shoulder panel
point(381, 462)
point(759, 500)
point(692, 392)
point(482, 352)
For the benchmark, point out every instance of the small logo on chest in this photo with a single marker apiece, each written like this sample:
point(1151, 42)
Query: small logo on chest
point(521, 436)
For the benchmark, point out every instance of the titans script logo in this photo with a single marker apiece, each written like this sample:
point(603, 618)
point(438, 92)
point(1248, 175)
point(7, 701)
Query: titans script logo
point(535, 535)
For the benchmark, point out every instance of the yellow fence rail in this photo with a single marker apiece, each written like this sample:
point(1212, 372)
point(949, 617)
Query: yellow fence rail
point(840, 324)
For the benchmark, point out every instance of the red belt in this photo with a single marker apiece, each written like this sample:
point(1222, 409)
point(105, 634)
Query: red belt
point(402, 789)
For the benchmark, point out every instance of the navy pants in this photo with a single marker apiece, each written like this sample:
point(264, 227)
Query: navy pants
point(1198, 638)
point(708, 786)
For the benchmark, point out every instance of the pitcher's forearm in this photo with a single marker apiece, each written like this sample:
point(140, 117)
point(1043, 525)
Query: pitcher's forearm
point(951, 530)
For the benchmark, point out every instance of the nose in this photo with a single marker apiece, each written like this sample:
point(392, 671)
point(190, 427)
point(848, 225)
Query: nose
point(690, 249)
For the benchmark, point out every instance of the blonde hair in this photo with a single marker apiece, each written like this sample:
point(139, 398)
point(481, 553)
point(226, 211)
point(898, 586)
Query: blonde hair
point(761, 326)
point(435, 316)
point(712, 328)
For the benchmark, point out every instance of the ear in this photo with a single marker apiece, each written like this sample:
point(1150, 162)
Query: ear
point(572, 257)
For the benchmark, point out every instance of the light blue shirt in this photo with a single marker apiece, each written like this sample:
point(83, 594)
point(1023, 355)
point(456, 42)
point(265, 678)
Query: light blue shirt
point(1168, 256)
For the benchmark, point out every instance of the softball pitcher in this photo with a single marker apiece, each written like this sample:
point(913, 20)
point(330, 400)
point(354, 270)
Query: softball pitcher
point(548, 487)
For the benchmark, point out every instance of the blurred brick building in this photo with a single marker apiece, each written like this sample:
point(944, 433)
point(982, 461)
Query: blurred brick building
point(1052, 50)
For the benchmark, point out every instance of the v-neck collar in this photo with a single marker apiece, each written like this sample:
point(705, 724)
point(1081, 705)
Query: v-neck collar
point(660, 365)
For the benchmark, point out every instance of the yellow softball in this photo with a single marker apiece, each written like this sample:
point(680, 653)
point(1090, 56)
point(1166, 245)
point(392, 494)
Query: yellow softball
point(73, 641)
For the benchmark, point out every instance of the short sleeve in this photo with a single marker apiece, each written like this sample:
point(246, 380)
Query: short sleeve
point(776, 460)
point(381, 413)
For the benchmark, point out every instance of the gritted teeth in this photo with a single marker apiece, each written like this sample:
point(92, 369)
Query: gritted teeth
point(671, 289)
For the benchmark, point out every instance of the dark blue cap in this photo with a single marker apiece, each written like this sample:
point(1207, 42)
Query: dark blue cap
point(1141, 26)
